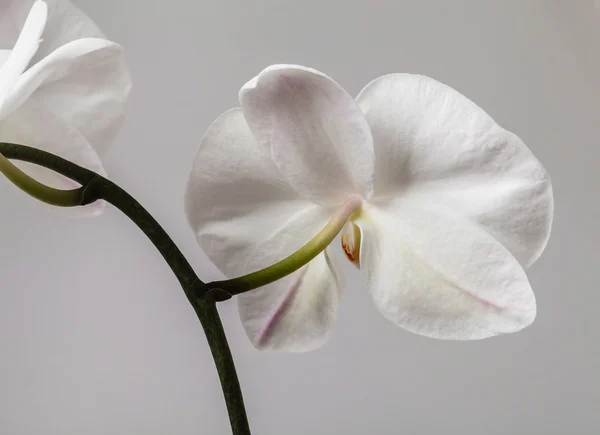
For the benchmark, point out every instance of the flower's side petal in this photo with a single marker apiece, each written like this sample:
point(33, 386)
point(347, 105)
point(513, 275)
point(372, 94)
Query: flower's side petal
point(431, 140)
point(515, 211)
point(298, 312)
point(32, 124)
point(236, 198)
point(86, 83)
point(295, 314)
point(66, 23)
point(316, 133)
point(437, 274)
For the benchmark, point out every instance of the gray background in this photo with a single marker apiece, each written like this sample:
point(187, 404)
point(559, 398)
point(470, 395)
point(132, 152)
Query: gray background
point(97, 338)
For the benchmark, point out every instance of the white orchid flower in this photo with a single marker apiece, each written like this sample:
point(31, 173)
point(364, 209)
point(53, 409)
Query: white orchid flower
point(63, 87)
point(444, 208)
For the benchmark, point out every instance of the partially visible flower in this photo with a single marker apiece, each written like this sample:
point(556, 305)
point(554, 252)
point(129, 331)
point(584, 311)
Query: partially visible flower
point(448, 207)
point(63, 87)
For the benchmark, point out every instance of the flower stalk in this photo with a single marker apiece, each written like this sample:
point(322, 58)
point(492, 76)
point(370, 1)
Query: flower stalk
point(49, 195)
point(95, 187)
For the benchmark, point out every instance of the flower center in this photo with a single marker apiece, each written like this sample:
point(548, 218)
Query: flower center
point(351, 237)
point(344, 214)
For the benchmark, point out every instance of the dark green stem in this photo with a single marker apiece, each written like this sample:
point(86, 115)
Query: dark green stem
point(96, 187)
point(41, 192)
point(296, 260)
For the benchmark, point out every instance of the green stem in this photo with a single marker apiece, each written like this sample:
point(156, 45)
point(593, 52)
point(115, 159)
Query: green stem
point(49, 195)
point(96, 187)
point(296, 260)
point(201, 296)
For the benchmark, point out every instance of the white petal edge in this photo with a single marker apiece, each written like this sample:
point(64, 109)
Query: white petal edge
point(315, 131)
point(433, 273)
point(432, 141)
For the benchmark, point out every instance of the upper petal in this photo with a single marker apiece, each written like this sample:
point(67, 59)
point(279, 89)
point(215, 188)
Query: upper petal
point(65, 23)
point(435, 273)
point(25, 48)
point(317, 135)
point(431, 141)
point(85, 82)
point(236, 198)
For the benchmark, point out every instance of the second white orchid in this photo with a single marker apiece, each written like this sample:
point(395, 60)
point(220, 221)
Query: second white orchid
point(64, 88)
point(445, 208)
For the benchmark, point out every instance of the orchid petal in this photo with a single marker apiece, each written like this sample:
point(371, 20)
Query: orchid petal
point(85, 83)
point(246, 217)
point(437, 274)
point(65, 23)
point(298, 312)
point(316, 133)
point(432, 142)
point(4, 54)
point(236, 198)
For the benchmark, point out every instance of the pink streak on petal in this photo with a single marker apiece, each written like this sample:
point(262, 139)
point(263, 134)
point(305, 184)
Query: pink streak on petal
point(483, 301)
point(268, 328)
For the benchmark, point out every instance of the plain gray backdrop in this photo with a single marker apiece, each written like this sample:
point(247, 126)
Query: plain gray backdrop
point(96, 337)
